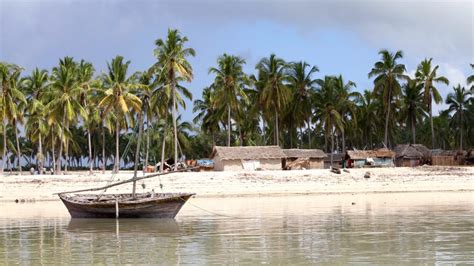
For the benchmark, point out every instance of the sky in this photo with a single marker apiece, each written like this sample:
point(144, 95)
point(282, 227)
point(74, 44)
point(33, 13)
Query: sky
point(339, 36)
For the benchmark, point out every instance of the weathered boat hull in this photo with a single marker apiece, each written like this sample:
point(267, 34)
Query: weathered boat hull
point(145, 205)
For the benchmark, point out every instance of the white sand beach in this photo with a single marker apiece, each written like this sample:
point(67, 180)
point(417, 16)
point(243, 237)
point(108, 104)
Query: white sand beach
point(235, 184)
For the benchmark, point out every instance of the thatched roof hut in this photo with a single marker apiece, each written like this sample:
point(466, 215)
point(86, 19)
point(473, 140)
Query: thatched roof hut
point(380, 157)
point(411, 154)
point(314, 158)
point(448, 157)
point(247, 158)
point(363, 155)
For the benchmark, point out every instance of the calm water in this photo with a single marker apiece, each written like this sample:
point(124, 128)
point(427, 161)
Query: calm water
point(376, 229)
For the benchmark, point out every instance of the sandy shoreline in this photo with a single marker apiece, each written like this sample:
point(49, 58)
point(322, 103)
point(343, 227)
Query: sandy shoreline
point(234, 184)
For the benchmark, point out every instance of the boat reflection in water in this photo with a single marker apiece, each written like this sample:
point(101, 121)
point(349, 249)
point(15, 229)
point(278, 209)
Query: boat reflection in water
point(123, 226)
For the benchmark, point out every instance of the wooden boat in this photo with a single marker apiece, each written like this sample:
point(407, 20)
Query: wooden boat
point(134, 205)
point(143, 205)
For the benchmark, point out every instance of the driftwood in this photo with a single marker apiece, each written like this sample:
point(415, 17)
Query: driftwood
point(336, 170)
point(300, 163)
point(125, 181)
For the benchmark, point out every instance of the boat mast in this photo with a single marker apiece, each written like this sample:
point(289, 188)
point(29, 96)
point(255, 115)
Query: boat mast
point(137, 153)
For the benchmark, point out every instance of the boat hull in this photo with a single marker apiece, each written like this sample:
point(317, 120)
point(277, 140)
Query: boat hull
point(145, 205)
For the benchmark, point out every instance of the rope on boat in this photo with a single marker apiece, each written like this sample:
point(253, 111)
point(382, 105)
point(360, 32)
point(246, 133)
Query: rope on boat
point(212, 212)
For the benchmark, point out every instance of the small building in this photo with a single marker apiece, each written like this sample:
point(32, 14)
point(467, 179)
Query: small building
point(378, 158)
point(247, 158)
point(336, 160)
point(313, 157)
point(469, 159)
point(447, 158)
point(410, 155)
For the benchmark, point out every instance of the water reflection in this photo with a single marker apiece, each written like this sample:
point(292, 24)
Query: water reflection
point(285, 230)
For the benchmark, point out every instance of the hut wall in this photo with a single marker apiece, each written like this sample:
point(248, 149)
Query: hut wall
point(316, 163)
point(218, 163)
point(232, 165)
point(270, 164)
point(236, 165)
point(359, 163)
point(443, 160)
point(383, 162)
point(406, 162)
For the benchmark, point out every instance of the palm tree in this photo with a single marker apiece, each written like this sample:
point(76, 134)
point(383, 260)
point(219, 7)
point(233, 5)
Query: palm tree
point(367, 117)
point(85, 73)
point(34, 86)
point(65, 102)
point(11, 102)
point(426, 75)
point(229, 85)
point(458, 103)
point(345, 104)
point(387, 73)
point(118, 99)
point(470, 79)
point(173, 66)
point(207, 113)
point(326, 103)
point(413, 109)
point(302, 84)
point(274, 95)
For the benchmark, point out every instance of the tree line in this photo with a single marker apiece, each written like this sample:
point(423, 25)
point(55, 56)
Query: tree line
point(70, 114)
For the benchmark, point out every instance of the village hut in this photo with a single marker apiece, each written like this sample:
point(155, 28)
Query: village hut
point(411, 155)
point(248, 158)
point(313, 158)
point(447, 158)
point(378, 158)
point(336, 160)
point(469, 159)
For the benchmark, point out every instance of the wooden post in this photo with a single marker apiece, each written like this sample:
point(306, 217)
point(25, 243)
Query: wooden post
point(116, 208)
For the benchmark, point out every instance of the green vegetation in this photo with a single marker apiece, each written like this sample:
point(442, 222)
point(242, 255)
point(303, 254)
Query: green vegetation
point(71, 115)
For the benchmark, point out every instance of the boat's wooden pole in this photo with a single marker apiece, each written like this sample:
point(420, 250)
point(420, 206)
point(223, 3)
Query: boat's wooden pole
point(116, 208)
point(125, 181)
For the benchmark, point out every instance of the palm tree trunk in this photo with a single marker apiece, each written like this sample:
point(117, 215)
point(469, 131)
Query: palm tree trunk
point(163, 149)
point(137, 153)
point(4, 156)
point(104, 158)
point(175, 130)
point(90, 150)
point(431, 123)
point(241, 137)
point(147, 150)
point(18, 151)
point(229, 126)
point(462, 128)
point(213, 139)
point(277, 133)
point(389, 103)
point(309, 132)
point(40, 151)
point(413, 130)
point(263, 131)
point(332, 145)
point(61, 136)
point(343, 142)
point(117, 148)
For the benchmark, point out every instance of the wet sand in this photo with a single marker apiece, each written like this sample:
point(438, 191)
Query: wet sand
point(258, 183)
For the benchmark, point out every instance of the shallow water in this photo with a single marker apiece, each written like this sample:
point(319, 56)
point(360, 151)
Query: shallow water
point(334, 229)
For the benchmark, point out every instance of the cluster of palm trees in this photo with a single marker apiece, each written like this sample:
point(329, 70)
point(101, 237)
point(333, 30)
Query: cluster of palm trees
point(284, 104)
point(57, 110)
point(68, 115)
